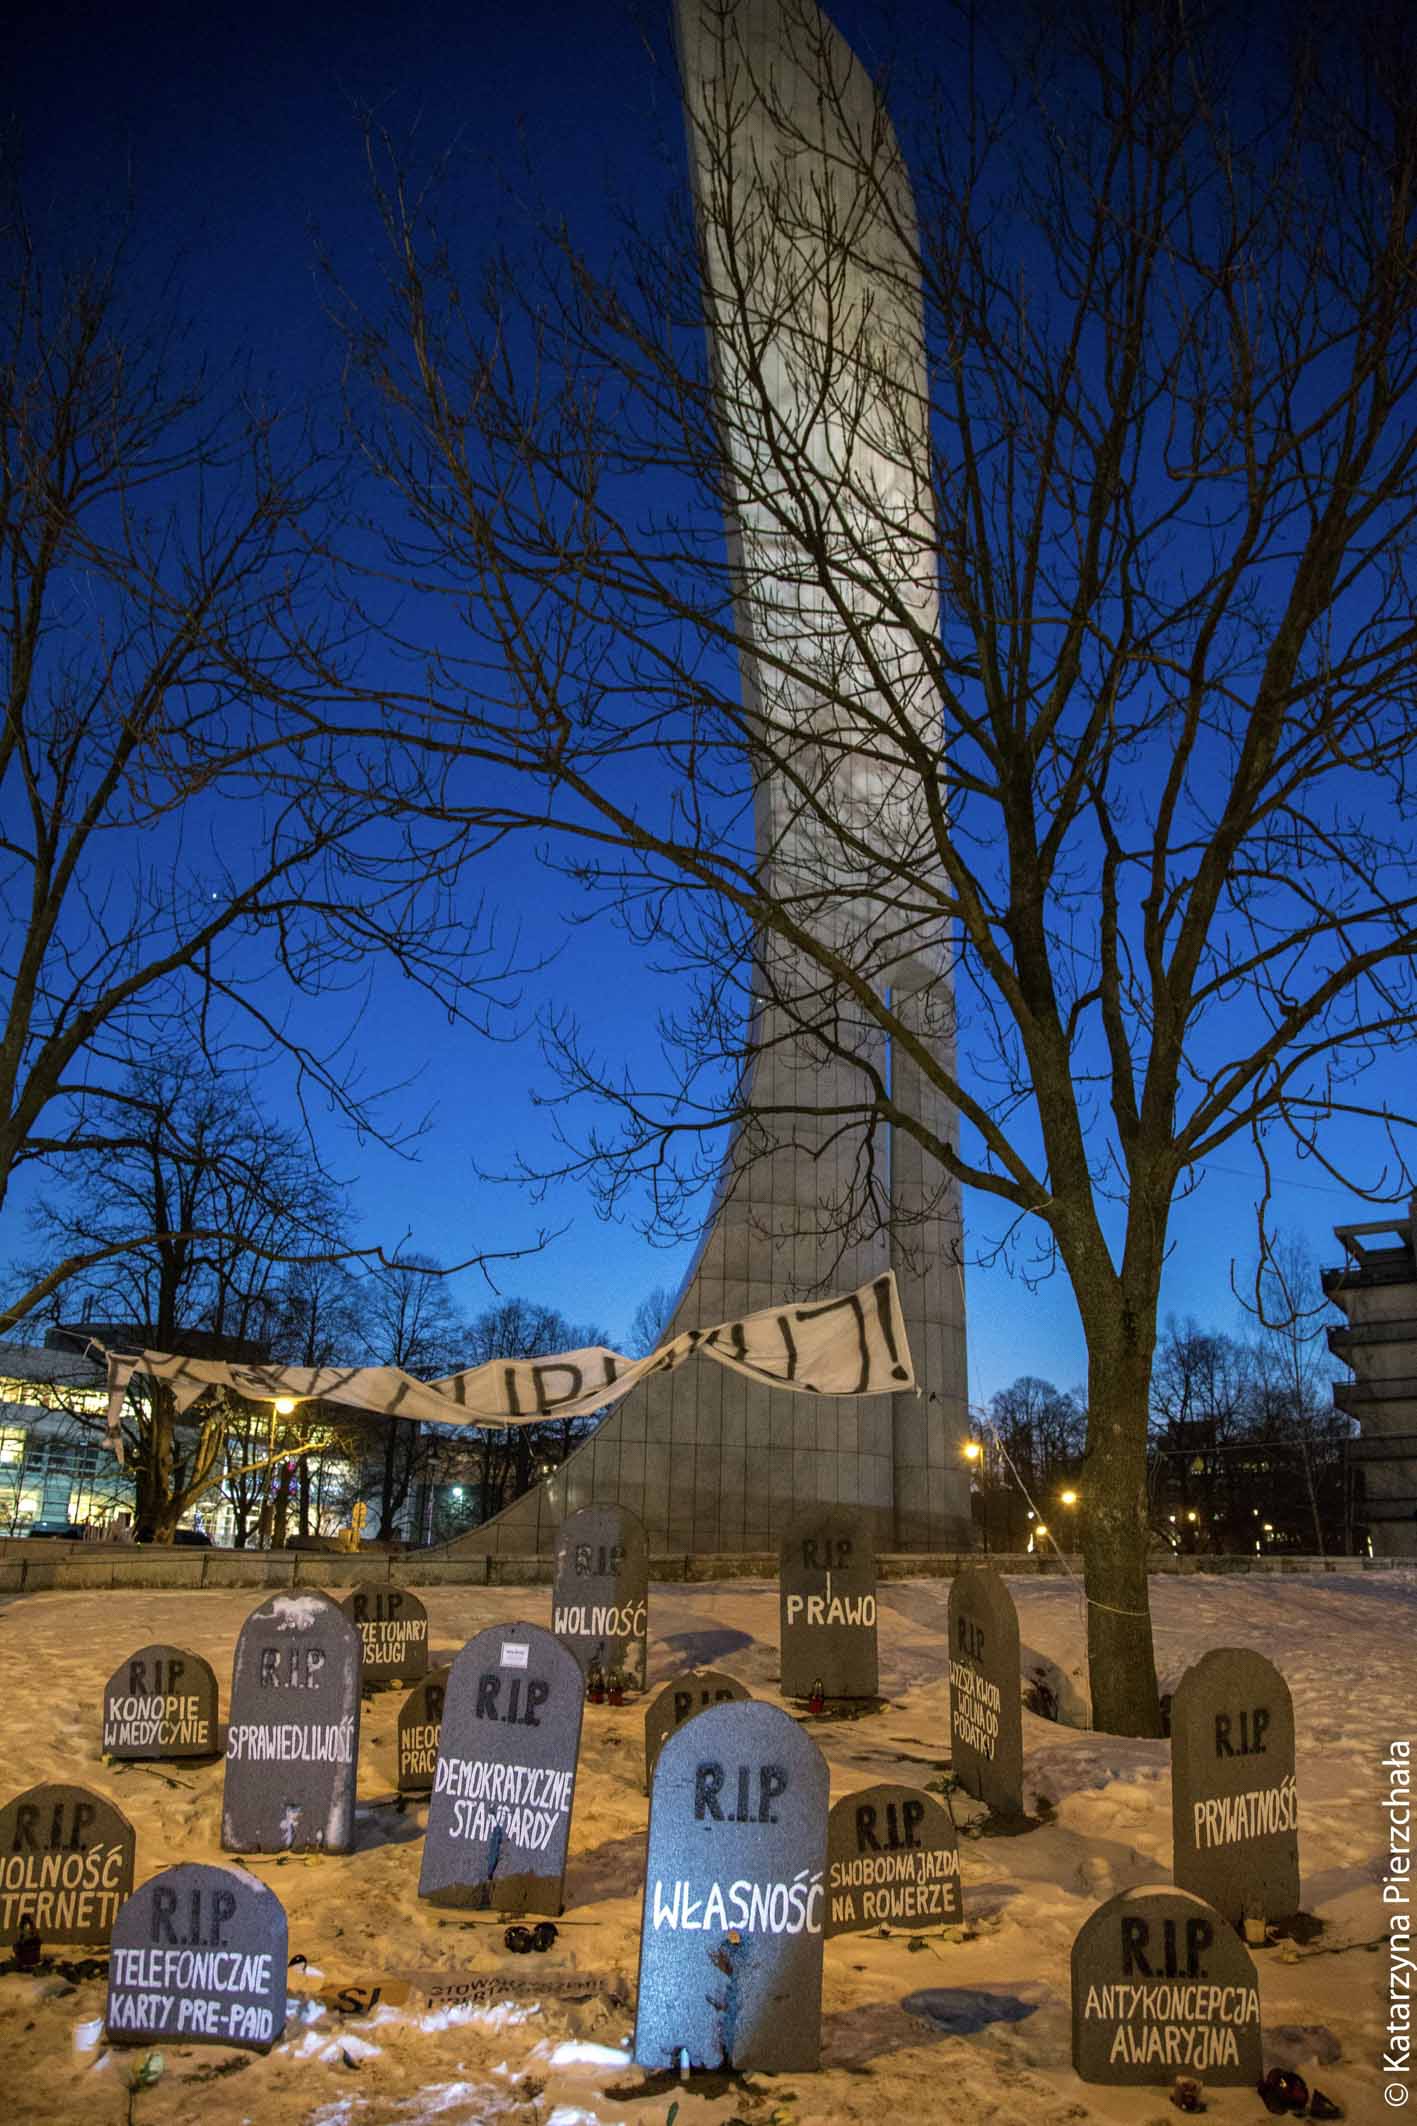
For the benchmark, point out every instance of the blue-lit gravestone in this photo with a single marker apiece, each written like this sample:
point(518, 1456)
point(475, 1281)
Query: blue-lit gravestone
point(162, 1702)
point(892, 1861)
point(600, 1597)
point(66, 1864)
point(731, 1934)
point(679, 1700)
point(1234, 1810)
point(292, 1744)
point(1162, 1986)
point(199, 1957)
point(827, 1605)
point(393, 1631)
point(986, 1717)
point(500, 1817)
point(420, 1725)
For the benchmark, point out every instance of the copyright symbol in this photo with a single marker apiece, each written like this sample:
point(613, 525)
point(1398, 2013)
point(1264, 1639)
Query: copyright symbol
point(1395, 2094)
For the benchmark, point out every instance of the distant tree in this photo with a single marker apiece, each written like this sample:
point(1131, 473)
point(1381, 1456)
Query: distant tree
point(510, 1460)
point(225, 1200)
point(650, 1319)
point(1043, 1430)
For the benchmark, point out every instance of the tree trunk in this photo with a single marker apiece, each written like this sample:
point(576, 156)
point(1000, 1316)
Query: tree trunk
point(303, 1481)
point(1121, 1660)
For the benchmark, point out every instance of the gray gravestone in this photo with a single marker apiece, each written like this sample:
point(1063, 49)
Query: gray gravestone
point(688, 1694)
point(986, 1717)
point(66, 1864)
point(827, 1606)
point(420, 1724)
point(500, 1816)
point(1234, 1812)
point(1161, 1986)
point(162, 1702)
point(198, 1958)
point(600, 1598)
point(731, 1933)
point(393, 1629)
point(892, 1861)
point(292, 1743)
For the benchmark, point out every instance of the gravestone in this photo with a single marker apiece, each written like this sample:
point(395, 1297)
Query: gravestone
point(731, 1933)
point(827, 1606)
point(600, 1599)
point(986, 1717)
point(688, 1694)
point(292, 1742)
point(162, 1702)
point(420, 1724)
point(198, 1958)
point(66, 1865)
point(1161, 1986)
point(1234, 1811)
point(892, 1861)
point(500, 1816)
point(393, 1629)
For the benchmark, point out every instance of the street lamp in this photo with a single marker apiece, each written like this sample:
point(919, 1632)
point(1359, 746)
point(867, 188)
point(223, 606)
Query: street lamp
point(285, 1406)
point(1068, 1498)
point(971, 1450)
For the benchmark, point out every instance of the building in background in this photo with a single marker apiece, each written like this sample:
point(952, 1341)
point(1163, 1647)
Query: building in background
point(1376, 1288)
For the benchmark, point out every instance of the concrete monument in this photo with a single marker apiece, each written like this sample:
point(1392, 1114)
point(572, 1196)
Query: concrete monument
point(807, 217)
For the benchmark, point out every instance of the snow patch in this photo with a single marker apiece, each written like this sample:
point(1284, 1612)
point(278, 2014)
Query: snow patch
point(295, 1612)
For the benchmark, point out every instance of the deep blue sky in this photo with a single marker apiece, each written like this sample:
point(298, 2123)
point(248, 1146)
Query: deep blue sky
point(236, 128)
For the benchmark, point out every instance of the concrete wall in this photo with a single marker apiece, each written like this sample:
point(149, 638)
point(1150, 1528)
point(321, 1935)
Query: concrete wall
point(23, 1570)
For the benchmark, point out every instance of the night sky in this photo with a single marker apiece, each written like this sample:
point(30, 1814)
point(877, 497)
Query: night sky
point(236, 130)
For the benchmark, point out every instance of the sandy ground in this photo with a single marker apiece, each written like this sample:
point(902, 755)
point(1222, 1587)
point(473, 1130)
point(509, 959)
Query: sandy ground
point(977, 2030)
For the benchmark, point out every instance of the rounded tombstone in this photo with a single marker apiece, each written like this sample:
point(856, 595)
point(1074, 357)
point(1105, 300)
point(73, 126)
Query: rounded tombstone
point(161, 1703)
point(500, 1818)
point(986, 1715)
point(892, 1861)
point(199, 1957)
point(827, 1605)
point(292, 1742)
point(1234, 1806)
point(1162, 1985)
point(680, 1699)
point(393, 1631)
point(600, 1595)
point(420, 1725)
point(66, 1864)
point(731, 1931)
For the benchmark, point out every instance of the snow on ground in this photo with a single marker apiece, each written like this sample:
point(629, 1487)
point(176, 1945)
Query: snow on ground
point(948, 2032)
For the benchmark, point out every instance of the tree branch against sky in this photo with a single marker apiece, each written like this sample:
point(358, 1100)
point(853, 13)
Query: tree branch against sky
point(1169, 311)
point(180, 873)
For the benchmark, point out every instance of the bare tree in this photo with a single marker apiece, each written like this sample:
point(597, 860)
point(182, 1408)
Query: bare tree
point(179, 862)
point(226, 1199)
point(1158, 845)
point(510, 1460)
point(405, 1318)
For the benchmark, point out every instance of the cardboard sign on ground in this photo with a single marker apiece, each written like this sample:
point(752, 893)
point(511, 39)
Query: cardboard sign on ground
point(66, 1865)
point(731, 1934)
point(680, 1699)
point(986, 1717)
point(161, 1703)
point(420, 1725)
point(198, 1958)
point(892, 1861)
point(600, 1599)
point(1234, 1809)
point(1162, 1986)
point(500, 1817)
point(827, 1606)
point(393, 1629)
point(292, 1745)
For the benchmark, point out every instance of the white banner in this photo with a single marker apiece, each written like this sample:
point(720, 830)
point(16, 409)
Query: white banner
point(851, 1345)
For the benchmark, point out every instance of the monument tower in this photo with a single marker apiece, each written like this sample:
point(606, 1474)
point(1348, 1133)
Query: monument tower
point(812, 290)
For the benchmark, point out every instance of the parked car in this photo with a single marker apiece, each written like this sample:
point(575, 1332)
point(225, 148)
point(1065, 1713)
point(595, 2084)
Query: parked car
point(66, 1531)
point(189, 1538)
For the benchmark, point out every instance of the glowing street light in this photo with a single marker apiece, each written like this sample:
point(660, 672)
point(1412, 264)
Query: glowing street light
point(971, 1450)
point(285, 1406)
point(1040, 1529)
point(1193, 1515)
point(1068, 1498)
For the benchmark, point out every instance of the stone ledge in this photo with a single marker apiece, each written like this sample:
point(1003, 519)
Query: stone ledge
point(117, 1565)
